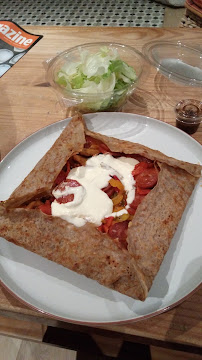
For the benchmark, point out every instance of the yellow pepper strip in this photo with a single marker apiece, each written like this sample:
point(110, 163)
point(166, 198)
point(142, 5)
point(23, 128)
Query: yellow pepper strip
point(117, 208)
point(122, 217)
point(117, 199)
point(116, 183)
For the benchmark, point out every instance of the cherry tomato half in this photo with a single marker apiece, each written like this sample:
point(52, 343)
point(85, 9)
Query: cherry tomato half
point(138, 199)
point(67, 182)
point(46, 207)
point(118, 230)
point(147, 178)
point(65, 199)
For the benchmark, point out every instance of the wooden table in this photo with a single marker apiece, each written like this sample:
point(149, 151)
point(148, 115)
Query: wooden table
point(26, 106)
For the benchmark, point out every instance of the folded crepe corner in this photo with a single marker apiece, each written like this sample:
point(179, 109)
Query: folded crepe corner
point(84, 249)
point(40, 180)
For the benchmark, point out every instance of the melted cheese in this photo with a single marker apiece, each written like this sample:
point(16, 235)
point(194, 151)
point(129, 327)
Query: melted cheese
point(90, 202)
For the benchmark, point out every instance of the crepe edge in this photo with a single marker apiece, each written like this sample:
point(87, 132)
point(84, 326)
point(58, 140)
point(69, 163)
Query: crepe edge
point(127, 147)
point(29, 188)
point(16, 224)
point(149, 253)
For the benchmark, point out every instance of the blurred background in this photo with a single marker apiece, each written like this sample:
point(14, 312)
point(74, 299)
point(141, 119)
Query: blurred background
point(130, 13)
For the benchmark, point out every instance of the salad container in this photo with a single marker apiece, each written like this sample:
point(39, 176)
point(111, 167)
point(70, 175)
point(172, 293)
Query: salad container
point(96, 76)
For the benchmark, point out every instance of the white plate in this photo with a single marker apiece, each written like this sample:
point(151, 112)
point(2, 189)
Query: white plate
point(64, 294)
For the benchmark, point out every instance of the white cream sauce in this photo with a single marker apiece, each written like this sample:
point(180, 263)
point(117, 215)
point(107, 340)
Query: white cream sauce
point(90, 202)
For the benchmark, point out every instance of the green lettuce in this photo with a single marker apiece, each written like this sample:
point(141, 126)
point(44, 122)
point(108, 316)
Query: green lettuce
point(102, 73)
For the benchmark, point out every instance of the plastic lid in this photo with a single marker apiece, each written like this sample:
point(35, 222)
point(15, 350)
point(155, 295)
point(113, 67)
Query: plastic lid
point(176, 61)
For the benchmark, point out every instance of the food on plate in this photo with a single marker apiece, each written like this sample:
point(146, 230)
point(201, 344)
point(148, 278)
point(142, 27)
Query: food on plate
point(102, 207)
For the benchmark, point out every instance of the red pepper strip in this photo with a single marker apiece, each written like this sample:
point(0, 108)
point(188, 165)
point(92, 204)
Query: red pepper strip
point(103, 148)
point(61, 177)
point(100, 228)
point(107, 223)
point(46, 208)
point(115, 177)
point(107, 188)
point(68, 168)
point(110, 190)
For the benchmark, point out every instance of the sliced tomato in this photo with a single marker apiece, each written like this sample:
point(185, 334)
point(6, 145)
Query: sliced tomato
point(140, 167)
point(72, 182)
point(141, 191)
point(67, 182)
point(133, 206)
point(131, 211)
point(138, 199)
point(118, 230)
point(46, 207)
point(147, 178)
point(65, 199)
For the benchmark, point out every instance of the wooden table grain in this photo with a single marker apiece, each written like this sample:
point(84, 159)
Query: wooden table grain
point(26, 106)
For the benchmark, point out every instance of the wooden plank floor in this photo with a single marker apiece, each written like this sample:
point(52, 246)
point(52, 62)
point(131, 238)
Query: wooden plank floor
point(22, 329)
point(22, 340)
point(16, 349)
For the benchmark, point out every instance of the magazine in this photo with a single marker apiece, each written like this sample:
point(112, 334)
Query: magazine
point(15, 42)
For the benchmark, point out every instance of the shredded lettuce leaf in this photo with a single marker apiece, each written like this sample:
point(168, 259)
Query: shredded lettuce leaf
point(101, 73)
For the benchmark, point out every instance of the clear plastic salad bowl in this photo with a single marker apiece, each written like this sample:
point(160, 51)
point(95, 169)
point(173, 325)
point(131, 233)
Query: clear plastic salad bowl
point(96, 76)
